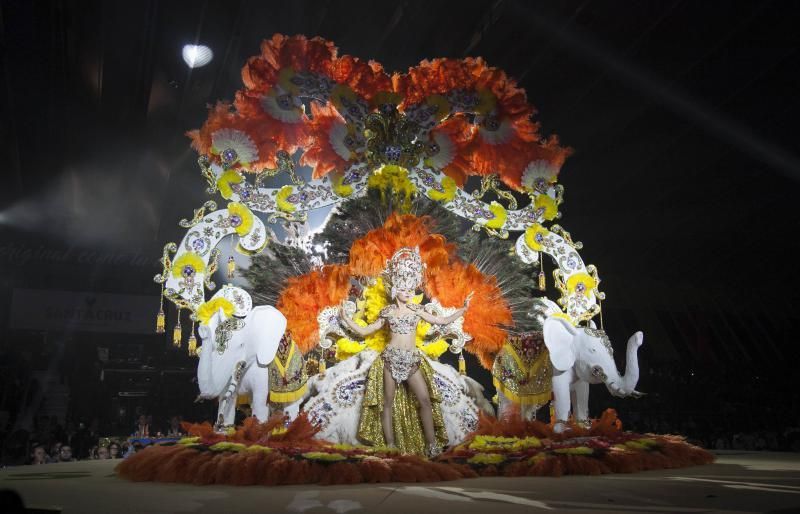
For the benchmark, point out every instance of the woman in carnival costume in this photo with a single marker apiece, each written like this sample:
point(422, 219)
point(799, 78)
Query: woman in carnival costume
point(401, 362)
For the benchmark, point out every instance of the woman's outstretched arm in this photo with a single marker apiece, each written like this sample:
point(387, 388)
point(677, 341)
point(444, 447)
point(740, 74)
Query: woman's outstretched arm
point(444, 320)
point(358, 329)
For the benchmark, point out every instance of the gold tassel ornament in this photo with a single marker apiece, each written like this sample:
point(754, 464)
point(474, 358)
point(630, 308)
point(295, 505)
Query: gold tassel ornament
point(161, 320)
point(542, 277)
point(192, 343)
point(322, 362)
point(462, 364)
point(231, 267)
point(176, 332)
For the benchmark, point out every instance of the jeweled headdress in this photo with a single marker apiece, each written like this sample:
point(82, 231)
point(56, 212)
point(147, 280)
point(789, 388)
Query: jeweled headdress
point(404, 270)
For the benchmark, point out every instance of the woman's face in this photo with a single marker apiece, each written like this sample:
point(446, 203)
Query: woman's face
point(405, 295)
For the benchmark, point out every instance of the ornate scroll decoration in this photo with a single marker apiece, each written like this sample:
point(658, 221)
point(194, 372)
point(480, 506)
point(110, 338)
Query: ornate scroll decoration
point(498, 233)
point(558, 229)
point(579, 304)
point(213, 264)
point(301, 216)
point(285, 164)
point(210, 205)
point(166, 263)
point(205, 169)
point(492, 183)
point(176, 298)
point(224, 333)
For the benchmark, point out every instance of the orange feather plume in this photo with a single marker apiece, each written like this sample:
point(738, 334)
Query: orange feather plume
point(320, 154)
point(366, 78)
point(219, 116)
point(487, 312)
point(447, 279)
point(435, 77)
point(269, 134)
point(306, 295)
point(299, 53)
point(459, 133)
point(504, 139)
point(369, 254)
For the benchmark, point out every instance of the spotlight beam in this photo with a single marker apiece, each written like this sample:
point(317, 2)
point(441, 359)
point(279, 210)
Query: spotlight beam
point(724, 128)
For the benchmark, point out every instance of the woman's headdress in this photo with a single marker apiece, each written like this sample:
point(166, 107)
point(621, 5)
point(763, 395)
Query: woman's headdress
point(404, 270)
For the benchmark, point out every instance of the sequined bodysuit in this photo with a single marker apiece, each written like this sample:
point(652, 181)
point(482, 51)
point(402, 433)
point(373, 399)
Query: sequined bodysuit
point(402, 363)
point(402, 324)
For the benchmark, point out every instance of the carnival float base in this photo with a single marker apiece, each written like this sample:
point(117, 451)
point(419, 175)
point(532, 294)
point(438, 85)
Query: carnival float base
point(265, 454)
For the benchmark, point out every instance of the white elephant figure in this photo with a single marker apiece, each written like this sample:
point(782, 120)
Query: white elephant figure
point(234, 360)
point(583, 356)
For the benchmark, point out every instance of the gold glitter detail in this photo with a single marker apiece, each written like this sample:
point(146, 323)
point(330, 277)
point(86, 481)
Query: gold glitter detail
point(522, 381)
point(408, 434)
point(287, 373)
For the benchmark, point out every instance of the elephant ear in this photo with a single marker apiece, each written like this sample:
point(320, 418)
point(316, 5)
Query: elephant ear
point(558, 336)
point(271, 326)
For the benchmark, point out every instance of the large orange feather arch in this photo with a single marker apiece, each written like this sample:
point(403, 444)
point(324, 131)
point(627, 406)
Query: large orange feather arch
point(448, 279)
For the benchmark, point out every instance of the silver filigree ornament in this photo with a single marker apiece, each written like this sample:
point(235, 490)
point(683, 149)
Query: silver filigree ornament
point(224, 333)
point(604, 339)
point(229, 158)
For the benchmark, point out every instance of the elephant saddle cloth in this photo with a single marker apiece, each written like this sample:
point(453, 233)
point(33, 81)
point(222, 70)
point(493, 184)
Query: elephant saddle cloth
point(522, 370)
point(287, 373)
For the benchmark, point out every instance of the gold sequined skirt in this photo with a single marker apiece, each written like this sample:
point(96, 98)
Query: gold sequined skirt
point(408, 434)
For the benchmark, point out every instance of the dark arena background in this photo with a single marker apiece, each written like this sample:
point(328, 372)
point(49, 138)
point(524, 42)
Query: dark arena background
point(682, 185)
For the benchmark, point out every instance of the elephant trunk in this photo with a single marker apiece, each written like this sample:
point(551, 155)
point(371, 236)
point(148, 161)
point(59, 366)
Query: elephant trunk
point(214, 369)
point(631, 377)
point(204, 371)
point(625, 385)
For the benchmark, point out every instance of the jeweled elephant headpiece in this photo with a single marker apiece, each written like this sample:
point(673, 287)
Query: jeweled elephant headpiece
point(404, 270)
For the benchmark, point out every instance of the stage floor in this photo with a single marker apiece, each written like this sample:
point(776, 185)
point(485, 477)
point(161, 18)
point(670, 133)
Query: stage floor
point(737, 482)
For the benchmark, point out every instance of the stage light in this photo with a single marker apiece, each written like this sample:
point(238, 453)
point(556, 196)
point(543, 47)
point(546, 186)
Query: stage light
point(196, 56)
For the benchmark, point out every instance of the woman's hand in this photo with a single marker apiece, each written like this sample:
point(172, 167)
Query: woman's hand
point(343, 313)
point(468, 299)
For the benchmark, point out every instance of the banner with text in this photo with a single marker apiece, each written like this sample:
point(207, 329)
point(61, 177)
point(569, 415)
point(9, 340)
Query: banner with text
point(71, 311)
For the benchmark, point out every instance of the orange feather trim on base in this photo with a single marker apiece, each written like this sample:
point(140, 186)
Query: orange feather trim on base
point(256, 454)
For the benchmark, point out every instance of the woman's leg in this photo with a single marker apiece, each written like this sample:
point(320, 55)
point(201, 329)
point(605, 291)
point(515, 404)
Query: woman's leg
point(419, 387)
point(389, 389)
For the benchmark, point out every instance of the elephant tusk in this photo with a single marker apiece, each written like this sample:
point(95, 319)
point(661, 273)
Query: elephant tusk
point(637, 394)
